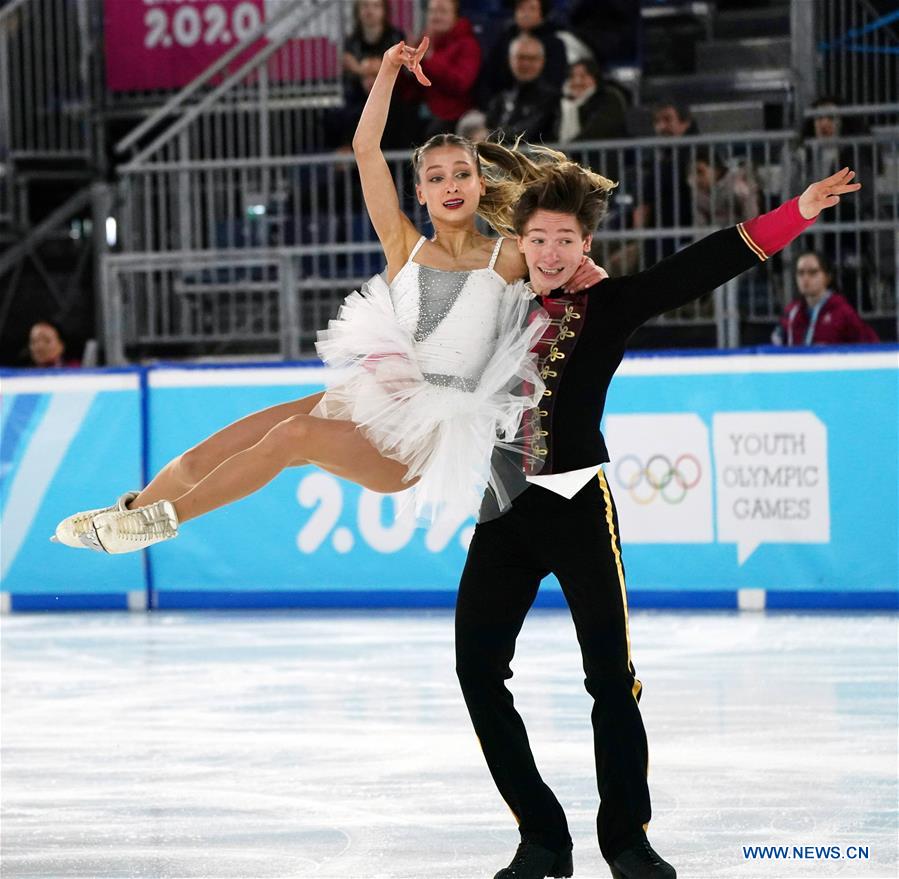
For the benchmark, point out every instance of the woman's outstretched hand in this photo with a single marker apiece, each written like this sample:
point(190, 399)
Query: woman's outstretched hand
point(826, 193)
point(402, 55)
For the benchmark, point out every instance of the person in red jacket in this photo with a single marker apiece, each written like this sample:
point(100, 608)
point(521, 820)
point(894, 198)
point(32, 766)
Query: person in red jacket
point(820, 316)
point(452, 64)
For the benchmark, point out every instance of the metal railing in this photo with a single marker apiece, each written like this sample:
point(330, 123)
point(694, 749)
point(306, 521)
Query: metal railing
point(187, 303)
point(294, 62)
point(6, 195)
point(859, 46)
point(858, 118)
point(205, 245)
point(255, 202)
point(269, 106)
point(45, 91)
point(44, 230)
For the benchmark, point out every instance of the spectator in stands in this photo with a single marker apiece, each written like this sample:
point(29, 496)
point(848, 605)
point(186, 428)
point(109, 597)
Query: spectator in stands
point(47, 347)
point(531, 106)
point(722, 195)
point(820, 139)
point(372, 35)
point(669, 119)
point(819, 315)
point(591, 108)
point(452, 64)
point(825, 126)
point(402, 126)
point(530, 18)
point(673, 119)
point(473, 126)
point(825, 150)
point(663, 190)
point(610, 29)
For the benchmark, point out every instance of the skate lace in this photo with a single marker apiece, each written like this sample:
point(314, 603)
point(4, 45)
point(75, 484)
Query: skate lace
point(144, 522)
point(84, 523)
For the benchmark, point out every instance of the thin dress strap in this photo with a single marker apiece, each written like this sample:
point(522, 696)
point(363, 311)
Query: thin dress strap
point(496, 247)
point(417, 247)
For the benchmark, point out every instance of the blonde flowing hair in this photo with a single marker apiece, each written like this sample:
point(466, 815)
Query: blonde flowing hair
point(511, 172)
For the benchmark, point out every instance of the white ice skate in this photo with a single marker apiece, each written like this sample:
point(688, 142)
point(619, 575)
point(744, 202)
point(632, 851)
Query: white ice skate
point(121, 531)
point(78, 531)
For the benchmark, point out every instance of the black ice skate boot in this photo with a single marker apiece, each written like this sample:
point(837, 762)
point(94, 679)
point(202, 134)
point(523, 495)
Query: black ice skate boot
point(533, 861)
point(640, 861)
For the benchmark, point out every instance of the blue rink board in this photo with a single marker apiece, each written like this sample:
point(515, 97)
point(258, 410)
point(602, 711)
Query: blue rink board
point(311, 540)
point(70, 440)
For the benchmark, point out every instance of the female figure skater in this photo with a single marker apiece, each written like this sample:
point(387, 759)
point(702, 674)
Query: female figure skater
point(438, 356)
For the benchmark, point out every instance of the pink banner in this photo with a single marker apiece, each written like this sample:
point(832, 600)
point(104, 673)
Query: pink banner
point(164, 44)
point(161, 44)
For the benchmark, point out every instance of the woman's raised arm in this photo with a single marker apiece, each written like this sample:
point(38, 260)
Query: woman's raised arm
point(394, 229)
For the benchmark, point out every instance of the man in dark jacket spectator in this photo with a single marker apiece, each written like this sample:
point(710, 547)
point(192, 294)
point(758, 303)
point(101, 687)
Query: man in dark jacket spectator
point(820, 316)
point(667, 170)
point(661, 187)
point(592, 109)
point(530, 18)
point(452, 64)
point(531, 106)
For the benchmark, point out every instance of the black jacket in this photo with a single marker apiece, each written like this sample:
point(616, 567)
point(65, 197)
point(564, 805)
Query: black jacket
point(585, 345)
point(496, 75)
point(604, 114)
point(530, 109)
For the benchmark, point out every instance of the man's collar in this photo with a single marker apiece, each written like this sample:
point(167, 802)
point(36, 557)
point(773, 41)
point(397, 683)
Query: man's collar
point(555, 293)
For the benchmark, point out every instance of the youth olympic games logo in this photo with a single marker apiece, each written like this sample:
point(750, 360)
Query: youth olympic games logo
point(658, 477)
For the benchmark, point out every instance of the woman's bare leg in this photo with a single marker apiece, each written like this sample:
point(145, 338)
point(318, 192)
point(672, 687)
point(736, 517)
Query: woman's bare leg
point(185, 471)
point(336, 446)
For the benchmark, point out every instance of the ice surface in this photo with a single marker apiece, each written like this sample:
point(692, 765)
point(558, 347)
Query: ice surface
point(333, 744)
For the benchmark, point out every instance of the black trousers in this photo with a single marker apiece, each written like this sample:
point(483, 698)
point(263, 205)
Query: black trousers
point(577, 540)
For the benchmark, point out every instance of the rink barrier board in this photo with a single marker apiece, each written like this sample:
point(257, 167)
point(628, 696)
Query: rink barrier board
point(413, 599)
point(130, 601)
point(161, 589)
point(62, 430)
point(646, 599)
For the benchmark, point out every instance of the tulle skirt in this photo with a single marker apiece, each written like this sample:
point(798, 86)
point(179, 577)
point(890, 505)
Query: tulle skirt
point(443, 433)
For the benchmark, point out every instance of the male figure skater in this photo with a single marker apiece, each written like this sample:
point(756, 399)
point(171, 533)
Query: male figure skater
point(563, 520)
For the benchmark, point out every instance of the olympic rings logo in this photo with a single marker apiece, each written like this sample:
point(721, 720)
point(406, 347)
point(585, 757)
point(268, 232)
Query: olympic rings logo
point(658, 477)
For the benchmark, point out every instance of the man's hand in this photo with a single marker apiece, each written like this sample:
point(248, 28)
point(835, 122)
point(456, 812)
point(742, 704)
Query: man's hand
point(826, 193)
point(588, 273)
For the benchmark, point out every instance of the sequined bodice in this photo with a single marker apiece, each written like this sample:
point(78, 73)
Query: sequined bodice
point(452, 317)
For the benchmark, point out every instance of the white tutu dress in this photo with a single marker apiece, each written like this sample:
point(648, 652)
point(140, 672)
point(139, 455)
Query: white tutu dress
point(439, 371)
